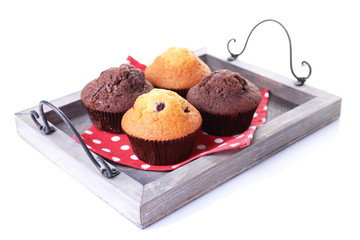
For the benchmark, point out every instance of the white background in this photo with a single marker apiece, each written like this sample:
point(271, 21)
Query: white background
point(310, 190)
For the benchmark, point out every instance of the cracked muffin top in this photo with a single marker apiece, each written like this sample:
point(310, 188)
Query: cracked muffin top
point(224, 92)
point(116, 89)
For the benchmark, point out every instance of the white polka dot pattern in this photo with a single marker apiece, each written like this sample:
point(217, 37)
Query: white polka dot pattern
point(117, 147)
point(125, 147)
point(134, 157)
point(201, 147)
point(106, 150)
point(115, 138)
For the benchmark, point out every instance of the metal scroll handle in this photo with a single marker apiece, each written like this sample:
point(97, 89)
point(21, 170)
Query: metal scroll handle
point(301, 80)
point(103, 166)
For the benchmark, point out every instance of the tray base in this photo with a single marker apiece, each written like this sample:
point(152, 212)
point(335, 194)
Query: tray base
point(145, 196)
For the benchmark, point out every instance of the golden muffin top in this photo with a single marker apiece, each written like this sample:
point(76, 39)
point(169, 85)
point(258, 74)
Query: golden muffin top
point(161, 115)
point(177, 68)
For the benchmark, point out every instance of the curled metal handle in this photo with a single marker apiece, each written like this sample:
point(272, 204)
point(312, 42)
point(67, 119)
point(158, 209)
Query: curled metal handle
point(99, 162)
point(301, 80)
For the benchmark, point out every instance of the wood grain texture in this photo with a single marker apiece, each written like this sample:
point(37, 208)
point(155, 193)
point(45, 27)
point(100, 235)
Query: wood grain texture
point(143, 196)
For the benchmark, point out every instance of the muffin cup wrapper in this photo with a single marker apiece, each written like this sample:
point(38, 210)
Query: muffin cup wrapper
point(169, 152)
point(117, 147)
point(226, 125)
point(181, 92)
point(106, 121)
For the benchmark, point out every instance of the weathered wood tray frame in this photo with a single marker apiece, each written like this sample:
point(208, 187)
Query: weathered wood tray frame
point(144, 197)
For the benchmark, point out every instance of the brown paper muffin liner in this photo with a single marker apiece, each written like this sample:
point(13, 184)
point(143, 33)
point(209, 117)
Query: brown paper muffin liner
point(226, 125)
point(163, 153)
point(106, 121)
point(182, 92)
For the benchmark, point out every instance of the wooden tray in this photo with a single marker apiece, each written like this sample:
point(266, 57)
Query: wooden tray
point(144, 197)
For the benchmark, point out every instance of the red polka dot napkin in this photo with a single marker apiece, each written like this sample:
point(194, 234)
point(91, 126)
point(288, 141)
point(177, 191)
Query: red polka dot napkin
point(117, 148)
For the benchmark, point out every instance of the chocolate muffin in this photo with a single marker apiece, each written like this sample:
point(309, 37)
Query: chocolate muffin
point(109, 96)
point(227, 102)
